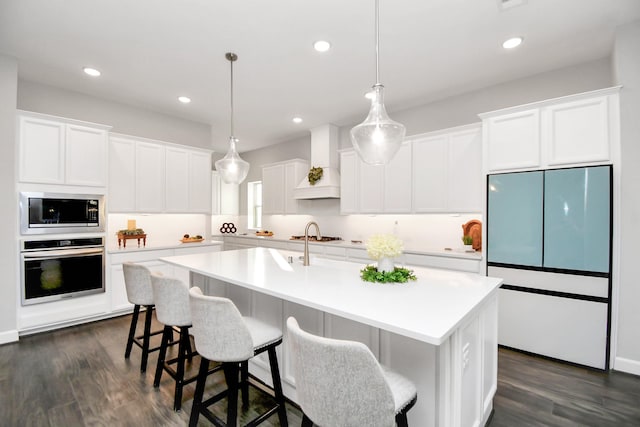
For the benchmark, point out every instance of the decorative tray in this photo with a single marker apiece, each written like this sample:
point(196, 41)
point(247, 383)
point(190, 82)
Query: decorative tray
point(191, 240)
point(264, 233)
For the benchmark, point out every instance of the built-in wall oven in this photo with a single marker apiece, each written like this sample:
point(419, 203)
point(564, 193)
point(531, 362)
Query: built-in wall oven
point(47, 213)
point(61, 268)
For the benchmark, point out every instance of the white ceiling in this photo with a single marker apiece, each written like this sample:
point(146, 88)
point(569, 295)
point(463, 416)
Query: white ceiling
point(152, 51)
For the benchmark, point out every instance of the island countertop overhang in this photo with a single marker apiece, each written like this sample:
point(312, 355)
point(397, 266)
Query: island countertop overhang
point(428, 310)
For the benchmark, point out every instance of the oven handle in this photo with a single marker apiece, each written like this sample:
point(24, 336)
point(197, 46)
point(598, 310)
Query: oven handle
point(63, 253)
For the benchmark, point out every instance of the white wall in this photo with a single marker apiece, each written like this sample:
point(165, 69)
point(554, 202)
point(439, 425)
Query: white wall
point(464, 109)
point(8, 207)
point(626, 66)
point(123, 118)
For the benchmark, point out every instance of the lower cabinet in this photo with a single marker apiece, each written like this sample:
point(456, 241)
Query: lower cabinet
point(149, 258)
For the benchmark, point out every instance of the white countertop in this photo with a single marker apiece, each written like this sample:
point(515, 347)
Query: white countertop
point(427, 310)
point(454, 252)
point(132, 246)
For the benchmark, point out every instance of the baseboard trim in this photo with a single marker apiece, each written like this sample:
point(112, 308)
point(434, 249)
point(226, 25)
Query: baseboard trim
point(627, 365)
point(9, 336)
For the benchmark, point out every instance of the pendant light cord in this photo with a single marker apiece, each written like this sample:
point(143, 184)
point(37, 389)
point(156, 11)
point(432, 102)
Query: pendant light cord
point(377, 45)
point(231, 61)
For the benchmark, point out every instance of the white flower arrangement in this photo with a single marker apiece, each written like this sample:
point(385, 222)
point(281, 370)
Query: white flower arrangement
point(384, 246)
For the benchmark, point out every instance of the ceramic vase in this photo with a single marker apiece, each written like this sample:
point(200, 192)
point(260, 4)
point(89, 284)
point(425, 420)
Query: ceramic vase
point(385, 264)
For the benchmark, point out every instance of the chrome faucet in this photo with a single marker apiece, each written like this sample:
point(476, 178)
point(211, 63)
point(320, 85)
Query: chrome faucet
point(305, 260)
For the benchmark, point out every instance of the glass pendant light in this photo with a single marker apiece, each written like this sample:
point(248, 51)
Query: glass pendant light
point(378, 138)
point(232, 169)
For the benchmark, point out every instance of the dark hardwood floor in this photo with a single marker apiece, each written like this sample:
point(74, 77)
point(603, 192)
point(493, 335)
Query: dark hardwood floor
point(78, 377)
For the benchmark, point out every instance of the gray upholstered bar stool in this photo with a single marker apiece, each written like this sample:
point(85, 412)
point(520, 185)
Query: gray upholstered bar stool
point(137, 281)
point(172, 309)
point(222, 334)
point(340, 383)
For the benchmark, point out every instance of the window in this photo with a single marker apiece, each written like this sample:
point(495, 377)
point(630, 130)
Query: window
point(254, 205)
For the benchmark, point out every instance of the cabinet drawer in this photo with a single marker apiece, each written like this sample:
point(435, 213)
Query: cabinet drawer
point(140, 256)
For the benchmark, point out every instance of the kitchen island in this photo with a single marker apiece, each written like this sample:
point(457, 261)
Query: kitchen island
point(440, 331)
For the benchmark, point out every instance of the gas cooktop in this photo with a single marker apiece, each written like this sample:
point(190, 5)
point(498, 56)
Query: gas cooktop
point(313, 238)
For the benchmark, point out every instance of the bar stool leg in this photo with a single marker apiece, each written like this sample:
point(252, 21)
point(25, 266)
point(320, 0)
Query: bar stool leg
point(401, 420)
point(132, 330)
point(146, 337)
point(199, 393)
point(244, 381)
point(277, 386)
point(182, 347)
point(231, 377)
point(306, 422)
point(162, 355)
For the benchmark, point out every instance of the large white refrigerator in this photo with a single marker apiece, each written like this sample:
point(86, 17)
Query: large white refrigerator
point(549, 236)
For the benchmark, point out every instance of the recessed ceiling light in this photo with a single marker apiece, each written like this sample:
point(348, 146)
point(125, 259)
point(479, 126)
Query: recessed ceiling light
point(512, 42)
point(184, 99)
point(322, 46)
point(91, 71)
point(297, 120)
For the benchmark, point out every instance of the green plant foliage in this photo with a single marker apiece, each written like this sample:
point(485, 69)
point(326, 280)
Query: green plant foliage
point(467, 240)
point(399, 275)
point(315, 175)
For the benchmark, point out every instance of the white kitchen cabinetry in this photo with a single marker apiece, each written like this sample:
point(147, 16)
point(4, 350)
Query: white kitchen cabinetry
point(571, 130)
point(150, 259)
point(447, 171)
point(375, 189)
point(278, 183)
point(225, 198)
point(62, 151)
point(349, 180)
point(150, 176)
point(187, 180)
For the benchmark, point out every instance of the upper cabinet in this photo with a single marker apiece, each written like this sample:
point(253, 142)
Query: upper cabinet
point(152, 176)
point(278, 182)
point(435, 172)
point(61, 151)
point(375, 189)
point(447, 171)
point(225, 198)
point(573, 130)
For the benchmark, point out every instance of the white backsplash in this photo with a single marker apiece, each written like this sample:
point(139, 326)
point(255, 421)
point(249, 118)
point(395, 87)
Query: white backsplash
point(161, 229)
point(419, 232)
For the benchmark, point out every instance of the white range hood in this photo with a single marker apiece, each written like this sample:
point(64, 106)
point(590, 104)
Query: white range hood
point(324, 154)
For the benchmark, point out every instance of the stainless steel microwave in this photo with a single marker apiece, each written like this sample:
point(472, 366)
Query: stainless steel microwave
point(44, 213)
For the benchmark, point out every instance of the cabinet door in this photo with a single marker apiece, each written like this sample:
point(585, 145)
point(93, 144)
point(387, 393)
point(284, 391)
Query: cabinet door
point(273, 189)
point(464, 175)
point(513, 140)
point(149, 177)
point(41, 151)
point(430, 157)
point(294, 172)
point(578, 131)
point(119, 300)
point(349, 182)
point(397, 182)
point(370, 187)
point(199, 182)
point(177, 180)
point(86, 156)
point(122, 167)
point(215, 193)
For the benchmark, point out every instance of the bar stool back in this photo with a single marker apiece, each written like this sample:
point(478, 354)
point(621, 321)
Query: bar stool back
point(172, 309)
point(340, 383)
point(137, 281)
point(222, 334)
